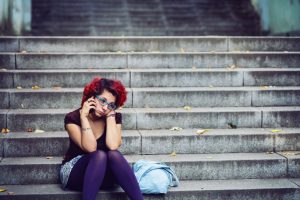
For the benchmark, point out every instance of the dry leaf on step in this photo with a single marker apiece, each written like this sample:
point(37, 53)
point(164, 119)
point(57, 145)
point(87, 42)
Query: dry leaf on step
point(29, 129)
point(264, 87)
point(173, 153)
point(10, 193)
point(182, 50)
point(19, 88)
point(35, 87)
point(5, 130)
point(39, 131)
point(49, 157)
point(2, 190)
point(175, 129)
point(187, 108)
point(276, 131)
point(201, 131)
point(56, 88)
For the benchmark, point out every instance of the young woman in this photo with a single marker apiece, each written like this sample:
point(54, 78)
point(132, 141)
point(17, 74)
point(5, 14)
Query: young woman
point(92, 161)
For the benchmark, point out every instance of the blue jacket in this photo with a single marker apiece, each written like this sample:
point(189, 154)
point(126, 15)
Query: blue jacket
point(154, 177)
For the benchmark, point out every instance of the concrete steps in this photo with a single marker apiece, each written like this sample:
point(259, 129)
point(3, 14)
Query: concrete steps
point(167, 17)
point(248, 82)
point(25, 144)
point(195, 77)
point(149, 60)
point(260, 189)
point(151, 118)
point(45, 170)
point(162, 97)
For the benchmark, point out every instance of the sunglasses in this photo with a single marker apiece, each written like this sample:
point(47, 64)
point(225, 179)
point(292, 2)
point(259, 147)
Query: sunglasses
point(110, 106)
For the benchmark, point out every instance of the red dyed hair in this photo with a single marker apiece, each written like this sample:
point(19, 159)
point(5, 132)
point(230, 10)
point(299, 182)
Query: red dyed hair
point(97, 86)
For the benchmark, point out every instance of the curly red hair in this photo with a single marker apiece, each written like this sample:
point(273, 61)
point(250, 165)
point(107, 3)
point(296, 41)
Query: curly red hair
point(97, 86)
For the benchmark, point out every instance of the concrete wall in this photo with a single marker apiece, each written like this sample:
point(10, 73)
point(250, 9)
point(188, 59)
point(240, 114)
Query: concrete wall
point(15, 17)
point(279, 17)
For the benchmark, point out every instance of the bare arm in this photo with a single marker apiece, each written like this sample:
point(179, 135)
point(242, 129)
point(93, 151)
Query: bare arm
point(113, 134)
point(84, 136)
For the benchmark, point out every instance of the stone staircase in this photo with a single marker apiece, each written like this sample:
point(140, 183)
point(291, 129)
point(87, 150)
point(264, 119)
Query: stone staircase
point(145, 18)
point(252, 83)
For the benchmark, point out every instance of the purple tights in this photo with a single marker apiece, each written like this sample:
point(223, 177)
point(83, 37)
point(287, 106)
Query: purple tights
point(101, 169)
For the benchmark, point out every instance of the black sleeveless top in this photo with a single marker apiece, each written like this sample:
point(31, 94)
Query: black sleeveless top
point(74, 150)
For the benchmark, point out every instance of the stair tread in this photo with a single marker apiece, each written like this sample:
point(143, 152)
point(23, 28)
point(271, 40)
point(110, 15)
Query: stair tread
point(184, 186)
point(179, 158)
point(162, 132)
point(171, 109)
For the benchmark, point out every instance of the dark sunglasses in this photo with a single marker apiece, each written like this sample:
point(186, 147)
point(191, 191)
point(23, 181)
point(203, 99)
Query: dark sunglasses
point(110, 106)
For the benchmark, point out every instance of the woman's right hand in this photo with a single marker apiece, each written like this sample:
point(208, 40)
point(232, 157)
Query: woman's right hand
point(87, 106)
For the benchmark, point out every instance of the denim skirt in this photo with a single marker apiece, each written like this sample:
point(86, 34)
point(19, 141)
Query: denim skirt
point(66, 169)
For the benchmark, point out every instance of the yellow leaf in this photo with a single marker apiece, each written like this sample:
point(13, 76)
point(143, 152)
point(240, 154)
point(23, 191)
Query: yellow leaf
point(264, 87)
point(35, 87)
point(187, 108)
point(201, 131)
point(175, 129)
point(182, 50)
point(276, 131)
point(19, 88)
point(2, 190)
point(173, 153)
point(39, 131)
point(49, 157)
point(5, 130)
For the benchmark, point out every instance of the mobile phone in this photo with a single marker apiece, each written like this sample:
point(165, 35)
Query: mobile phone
point(92, 110)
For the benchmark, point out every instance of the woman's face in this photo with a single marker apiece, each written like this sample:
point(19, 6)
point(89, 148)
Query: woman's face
point(102, 110)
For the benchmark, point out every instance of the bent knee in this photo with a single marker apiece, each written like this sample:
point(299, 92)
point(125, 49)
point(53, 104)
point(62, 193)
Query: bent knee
point(98, 155)
point(113, 154)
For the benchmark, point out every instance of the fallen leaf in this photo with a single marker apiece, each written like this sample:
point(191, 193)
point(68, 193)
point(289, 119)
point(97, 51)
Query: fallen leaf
point(187, 108)
point(2, 190)
point(19, 88)
point(194, 67)
point(56, 88)
point(264, 87)
point(175, 129)
point(29, 130)
point(201, 131)
point(3, 69)
point(182, 50)
point(276, 131)
point(269, 152)
point(232, 67)
point(10, 193)
point(23, 51)
point(49, 157)
point(211, 86)
point(173, 153)
point(35, 87)
point(5, 130)
point(22, 106)
point(39, 131)
point(119, 51)
point(232, 126)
